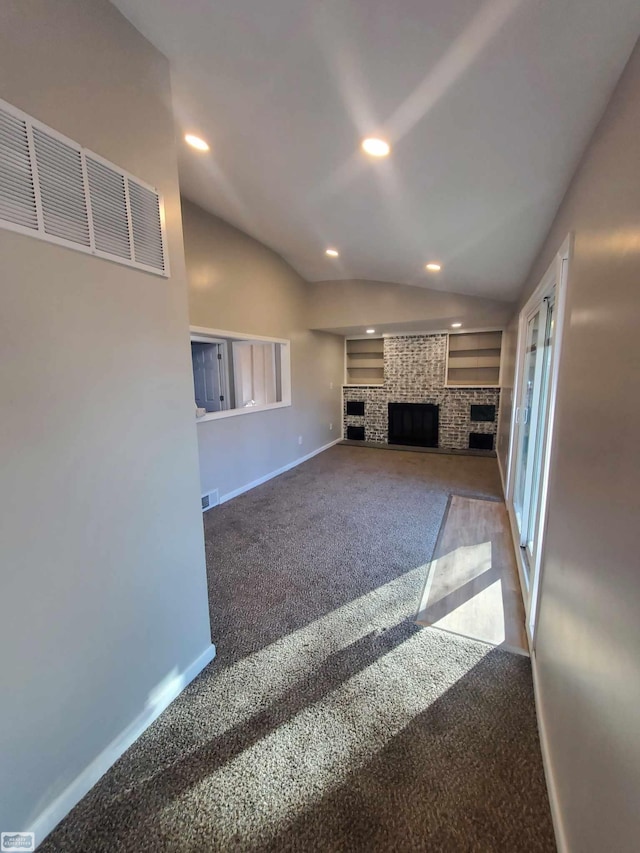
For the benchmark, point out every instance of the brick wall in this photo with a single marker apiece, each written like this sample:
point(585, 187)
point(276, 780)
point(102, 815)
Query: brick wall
point(414, 372)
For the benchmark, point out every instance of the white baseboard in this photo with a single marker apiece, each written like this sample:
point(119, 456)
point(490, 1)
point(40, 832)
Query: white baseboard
point(159, 699)
point(272, 474)
point(554, 803)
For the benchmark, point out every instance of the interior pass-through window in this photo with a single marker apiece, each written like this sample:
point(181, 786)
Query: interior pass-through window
point(239, 373)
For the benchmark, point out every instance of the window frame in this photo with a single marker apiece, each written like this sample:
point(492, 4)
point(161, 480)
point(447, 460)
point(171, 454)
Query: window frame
point(204, 335)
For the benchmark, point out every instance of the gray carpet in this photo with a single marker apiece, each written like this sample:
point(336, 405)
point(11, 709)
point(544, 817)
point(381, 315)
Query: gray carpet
point(329, 721)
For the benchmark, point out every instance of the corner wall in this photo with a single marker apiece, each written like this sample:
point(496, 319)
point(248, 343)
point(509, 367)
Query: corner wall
point(103, 587)
point(586, 658)
point(239, 285)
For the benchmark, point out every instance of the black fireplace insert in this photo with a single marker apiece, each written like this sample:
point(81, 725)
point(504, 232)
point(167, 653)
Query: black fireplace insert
point(480, 441)
point(355, 407)
point(355, 433)
point(415, 424)
point(481, 412)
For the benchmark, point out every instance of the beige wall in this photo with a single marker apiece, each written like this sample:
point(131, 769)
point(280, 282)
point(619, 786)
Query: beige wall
point(588, 643)
point(350, 306)
point(239, 285)
point(103, 585)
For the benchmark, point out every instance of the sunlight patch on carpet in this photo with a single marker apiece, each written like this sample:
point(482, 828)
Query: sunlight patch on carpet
point(275, 780)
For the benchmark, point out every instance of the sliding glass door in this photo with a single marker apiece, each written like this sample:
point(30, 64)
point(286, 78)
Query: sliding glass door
point(531, 418)
point(524, 419)
point(531, 529)
point(530, 448)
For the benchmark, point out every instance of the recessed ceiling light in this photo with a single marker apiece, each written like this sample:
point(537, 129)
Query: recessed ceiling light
point(433, 267)
point(196, 142)
point(333, 253)
point(371, 331)
point(376, 147)
point(456, 325)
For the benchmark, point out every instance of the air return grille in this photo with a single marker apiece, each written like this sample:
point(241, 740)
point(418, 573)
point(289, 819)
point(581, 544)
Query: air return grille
point(108, 198)
point(17, 195)
point(147, 227)
point(52, 188)
point(62, 193)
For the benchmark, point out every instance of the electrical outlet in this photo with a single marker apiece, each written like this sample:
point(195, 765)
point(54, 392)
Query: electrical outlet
point(299, 439)
point(331, 386)
point(330, 426)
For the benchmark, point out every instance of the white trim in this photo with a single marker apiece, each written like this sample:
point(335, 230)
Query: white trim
point(159, 699)
point(272, 474)
point(207, 339)
point(207, 334)
point(552, 789)
point(245, 410)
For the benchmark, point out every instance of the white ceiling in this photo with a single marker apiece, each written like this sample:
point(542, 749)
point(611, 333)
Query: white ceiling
point(488, 107)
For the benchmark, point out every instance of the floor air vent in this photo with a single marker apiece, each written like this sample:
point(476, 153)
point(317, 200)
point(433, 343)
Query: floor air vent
point(210, 499)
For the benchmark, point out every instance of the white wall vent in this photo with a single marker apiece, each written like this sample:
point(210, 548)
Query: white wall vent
point(108, 198)
point(147, 226)
point(62, 191)
point(210, 499)
point(52, 188)
point(17, 194)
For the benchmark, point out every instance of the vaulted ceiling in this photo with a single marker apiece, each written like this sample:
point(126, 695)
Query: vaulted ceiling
point(487, 105)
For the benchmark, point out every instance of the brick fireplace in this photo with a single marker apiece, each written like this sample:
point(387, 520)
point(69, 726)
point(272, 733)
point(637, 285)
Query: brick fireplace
point(414, 372)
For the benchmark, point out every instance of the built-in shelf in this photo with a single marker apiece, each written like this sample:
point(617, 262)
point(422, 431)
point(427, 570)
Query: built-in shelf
point(474, 360)
point(365, 361)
